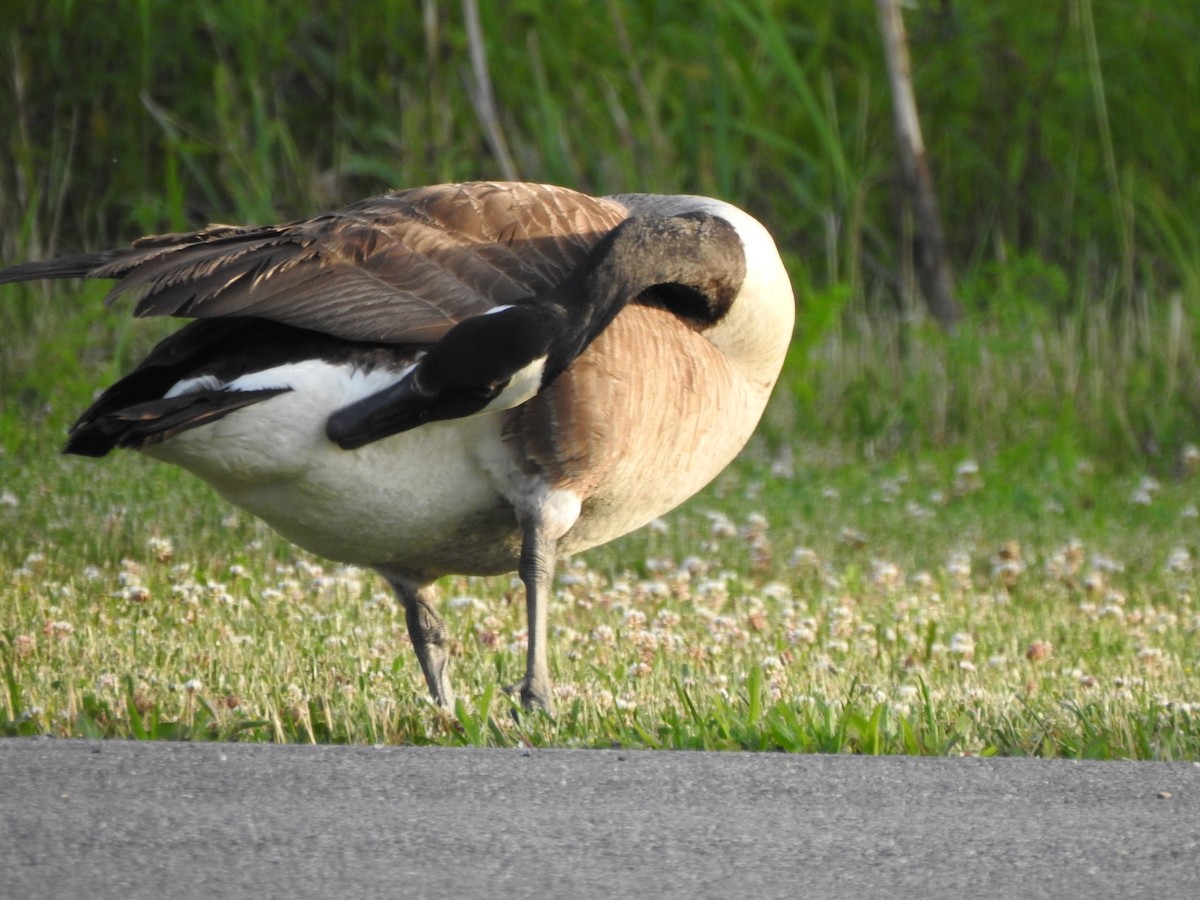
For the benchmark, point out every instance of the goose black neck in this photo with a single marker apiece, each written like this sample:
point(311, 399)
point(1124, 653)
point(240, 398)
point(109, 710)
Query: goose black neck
point(696, 252)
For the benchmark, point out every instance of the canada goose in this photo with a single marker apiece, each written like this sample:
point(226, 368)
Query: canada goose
point(452, 379)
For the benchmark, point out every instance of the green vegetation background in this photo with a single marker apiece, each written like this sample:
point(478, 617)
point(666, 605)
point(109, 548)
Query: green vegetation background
point(1064, 143)
point(1064, 139)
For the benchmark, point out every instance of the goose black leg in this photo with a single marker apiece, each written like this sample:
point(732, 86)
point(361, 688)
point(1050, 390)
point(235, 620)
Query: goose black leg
point(428, 634)
point(537, 572)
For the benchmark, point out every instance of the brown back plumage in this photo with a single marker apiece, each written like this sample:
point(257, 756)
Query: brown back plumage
point(400, 268)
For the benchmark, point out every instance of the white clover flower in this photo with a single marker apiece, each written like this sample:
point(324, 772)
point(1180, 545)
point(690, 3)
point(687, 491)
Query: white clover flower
point(922, 580)
point(1151, 657)
point(805, 558)
point(962, 644)
point(958, 567)
point(1190, 457)
point(59, 629)
point(634, 619)
point(161, 548)
point(886, 574)
point(1106, 564)
point(1007, 571)
point(852, 537)
point(967, 478)
point(1179, 560)
point(566, 691)
point(721, 525)
point(801, 634)
point(107, 681)
point(1144, 493)
point(915, 510)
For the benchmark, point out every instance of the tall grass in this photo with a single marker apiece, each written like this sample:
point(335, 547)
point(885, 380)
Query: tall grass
point(1064, 134)
point(1113, 385)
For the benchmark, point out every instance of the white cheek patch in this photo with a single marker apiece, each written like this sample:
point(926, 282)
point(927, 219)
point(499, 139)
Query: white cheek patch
point(523, 386)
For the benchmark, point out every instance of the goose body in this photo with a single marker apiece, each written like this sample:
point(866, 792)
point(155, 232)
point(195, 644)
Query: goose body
point(457, 379)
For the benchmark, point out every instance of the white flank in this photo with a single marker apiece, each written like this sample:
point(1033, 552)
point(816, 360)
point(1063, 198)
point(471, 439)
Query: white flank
point(395, 500)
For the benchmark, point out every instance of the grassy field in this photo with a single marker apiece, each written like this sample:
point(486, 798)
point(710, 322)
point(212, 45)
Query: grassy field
point(1017, 598)
point(985, 543)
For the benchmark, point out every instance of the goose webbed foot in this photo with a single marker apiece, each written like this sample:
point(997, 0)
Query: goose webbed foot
point(532, 694)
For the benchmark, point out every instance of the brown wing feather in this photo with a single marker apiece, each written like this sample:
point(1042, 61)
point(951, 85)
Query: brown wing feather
point(403, 267)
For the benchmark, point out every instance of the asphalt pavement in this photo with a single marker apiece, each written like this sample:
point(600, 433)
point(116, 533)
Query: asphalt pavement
point(121, 819)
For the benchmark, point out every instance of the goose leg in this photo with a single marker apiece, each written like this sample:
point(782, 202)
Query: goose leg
point(537, 572)
point(428, 634)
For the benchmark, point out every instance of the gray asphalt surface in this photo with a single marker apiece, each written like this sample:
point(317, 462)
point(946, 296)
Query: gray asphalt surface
point(130, 820)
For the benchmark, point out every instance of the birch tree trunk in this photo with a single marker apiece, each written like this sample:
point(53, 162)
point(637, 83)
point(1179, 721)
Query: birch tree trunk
point(929, 240)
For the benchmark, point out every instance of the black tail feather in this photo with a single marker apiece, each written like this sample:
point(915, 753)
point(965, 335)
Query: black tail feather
point(145, 424)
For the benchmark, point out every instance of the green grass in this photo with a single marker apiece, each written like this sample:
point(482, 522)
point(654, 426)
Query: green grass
point(983, 543)
point(890, 595)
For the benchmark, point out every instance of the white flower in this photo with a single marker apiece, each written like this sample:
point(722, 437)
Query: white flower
point(1179, 560)
point(967, 478)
